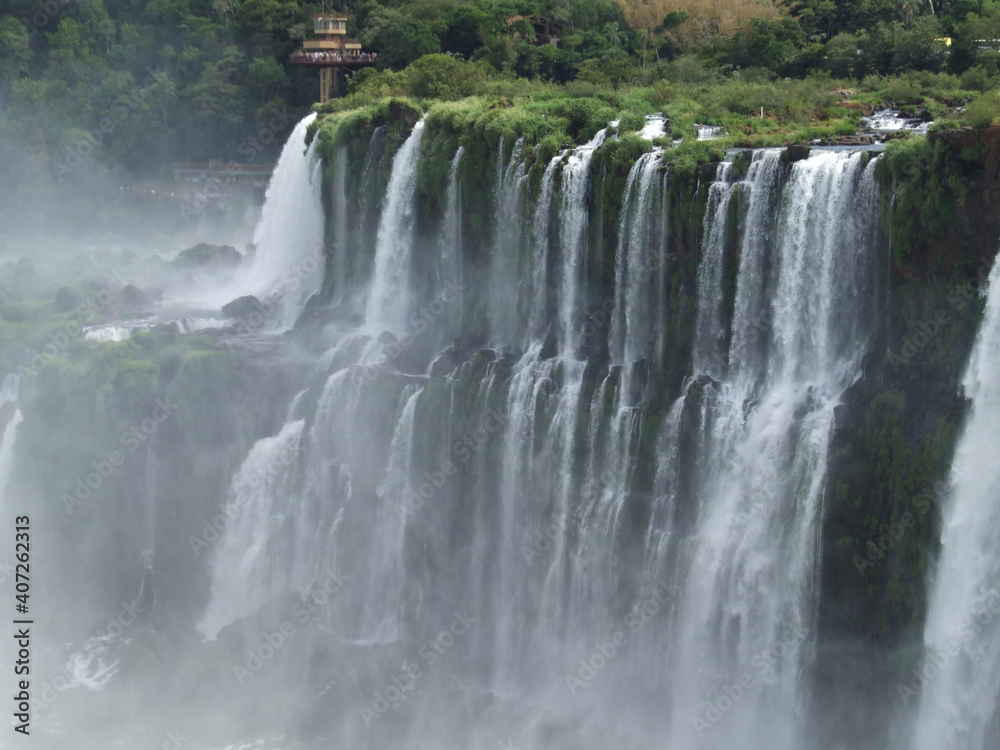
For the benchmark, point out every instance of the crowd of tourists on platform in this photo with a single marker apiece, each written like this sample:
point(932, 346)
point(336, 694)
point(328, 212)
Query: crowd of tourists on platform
point(335, 56)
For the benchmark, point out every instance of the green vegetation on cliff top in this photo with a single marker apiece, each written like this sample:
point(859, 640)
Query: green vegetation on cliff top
point(188, 80)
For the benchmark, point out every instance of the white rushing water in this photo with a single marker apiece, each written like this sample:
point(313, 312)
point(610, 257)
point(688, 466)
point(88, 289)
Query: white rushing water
point(751, 565)
point(8, 398)
point(505, 247)
point(451, 229)
point(960, 676)
point(258, 500)
point(574, 220)
point(288, 261)
point(508, 484)
point(890, 121)
point(708, 132)
point(709, 333)
point(640, 262)
point(655, 127)
point(388, 301)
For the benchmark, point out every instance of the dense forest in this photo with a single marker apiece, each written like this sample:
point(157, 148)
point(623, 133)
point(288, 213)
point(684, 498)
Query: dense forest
point(120, 88)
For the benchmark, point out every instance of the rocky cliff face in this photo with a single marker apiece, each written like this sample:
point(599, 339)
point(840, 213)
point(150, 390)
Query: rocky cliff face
point(895, 431)
point(615, 338)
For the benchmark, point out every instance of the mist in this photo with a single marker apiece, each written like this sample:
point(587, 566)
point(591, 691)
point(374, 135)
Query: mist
point(453, 441)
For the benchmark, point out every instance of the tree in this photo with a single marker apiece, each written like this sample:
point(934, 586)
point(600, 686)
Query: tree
point(15, 50)
point(915, 48)
point(400, 40)
point(265, 23)
point(467, 31)
point(767, 44)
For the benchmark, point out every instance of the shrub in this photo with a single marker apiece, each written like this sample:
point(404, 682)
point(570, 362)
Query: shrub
point(984, 111)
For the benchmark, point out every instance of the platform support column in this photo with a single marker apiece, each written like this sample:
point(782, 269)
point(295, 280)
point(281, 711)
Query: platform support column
point(327, 83)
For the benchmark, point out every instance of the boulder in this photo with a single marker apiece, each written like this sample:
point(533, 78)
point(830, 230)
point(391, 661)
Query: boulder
point(796, 152)
point(133, 298)
point(204, 255)
point(242, 308)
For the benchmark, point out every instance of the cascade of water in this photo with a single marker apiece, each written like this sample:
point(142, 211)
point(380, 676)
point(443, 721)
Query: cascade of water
point(388, 298)
point(259, 497)
point(505, 250)
point(538, 450)
point(961, 687)
point(289, 235)
point(517, 490)
point(451, 229)
point(637, 260)
point(8, 395)
point(741, 461)
point(573, 221)
point(708, 333)
point(340, 221)
point(751, 311)
point(540, 228)
point(382, 614)
point(751, 569)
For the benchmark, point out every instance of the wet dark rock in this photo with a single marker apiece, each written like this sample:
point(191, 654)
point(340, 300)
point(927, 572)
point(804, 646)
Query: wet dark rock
point(244, 307)
point(133, 298)
point(204, 255)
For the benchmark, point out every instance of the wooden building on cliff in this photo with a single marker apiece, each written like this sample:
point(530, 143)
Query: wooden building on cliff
point(331, 51)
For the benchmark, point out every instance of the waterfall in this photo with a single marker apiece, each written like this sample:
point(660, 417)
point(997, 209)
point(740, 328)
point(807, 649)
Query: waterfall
point(8, 399)
point(451, 230)
point(708, 332)
point(960, 676)
point(540, 227)
point(638, 261)
point(573, 215)
point(752, 315)
point(555, 487)
point(340, 220)
point(749, 572)
point(383, 609)
point(259, 499)
point(388, 301)
point(288, 260)
point(505, 250)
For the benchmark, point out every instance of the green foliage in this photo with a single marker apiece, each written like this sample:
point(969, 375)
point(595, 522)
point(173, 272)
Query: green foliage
point(982, 112)
point(224, 70)
point(15, 49)
point(468, 29)
point(773, 44)
point(933, 177)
